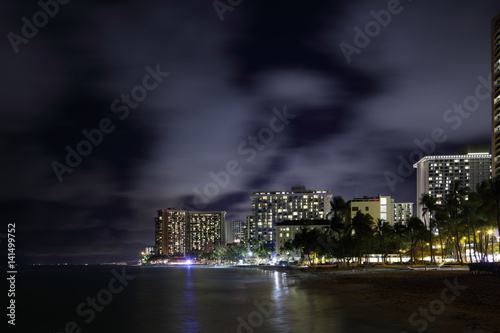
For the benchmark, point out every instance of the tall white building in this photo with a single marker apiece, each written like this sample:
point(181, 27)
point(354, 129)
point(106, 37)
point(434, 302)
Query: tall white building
point(435, 174)
point(269, 208)
point(495, 96)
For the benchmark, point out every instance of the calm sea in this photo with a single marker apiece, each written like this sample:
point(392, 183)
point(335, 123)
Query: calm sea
point(176, 299)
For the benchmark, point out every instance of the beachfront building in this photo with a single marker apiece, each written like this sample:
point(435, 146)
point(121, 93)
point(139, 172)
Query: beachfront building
point(401, 212)
point(205, 228)
point(235, 231)
point(178, 231)
point(495, 95)
point(286, 231)
point(435, 174)
point(379, 207)
point(250, 229)
point(171, 232)
point(269, 208)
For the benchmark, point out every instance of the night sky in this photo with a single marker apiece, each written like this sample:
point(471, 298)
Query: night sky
point(260, 95)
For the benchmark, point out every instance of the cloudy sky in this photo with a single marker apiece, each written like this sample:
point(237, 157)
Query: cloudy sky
point(196, 104)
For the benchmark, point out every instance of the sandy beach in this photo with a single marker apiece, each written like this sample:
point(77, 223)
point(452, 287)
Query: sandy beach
point(415, 301)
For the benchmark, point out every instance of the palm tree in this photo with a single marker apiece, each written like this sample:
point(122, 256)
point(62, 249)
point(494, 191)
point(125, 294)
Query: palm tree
point(380, 235)
point(400, 231)
point(387, 234)
point(287, 247)
point(489, 191)
point(453, 207)
point(441, 224)
point(414, 227)
point(337, 227)
point(422, 236)
point(471, 213)
point(428, 203)
point(362, 225)
point(307, 241)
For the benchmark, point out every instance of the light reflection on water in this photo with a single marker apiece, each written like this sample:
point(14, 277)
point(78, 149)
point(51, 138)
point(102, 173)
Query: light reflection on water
point(189, 310)
point(239, 300)
point(184, 299)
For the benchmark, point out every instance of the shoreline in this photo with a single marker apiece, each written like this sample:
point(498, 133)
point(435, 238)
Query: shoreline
point(419, 301)
point(450, 299)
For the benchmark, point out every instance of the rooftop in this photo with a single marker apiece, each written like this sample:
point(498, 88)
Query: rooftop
point(302, 222)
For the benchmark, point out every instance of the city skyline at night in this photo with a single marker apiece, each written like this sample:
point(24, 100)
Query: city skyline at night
point(113, 111)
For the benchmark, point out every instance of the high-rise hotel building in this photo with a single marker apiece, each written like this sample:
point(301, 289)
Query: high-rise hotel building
point(204, 228)
point(178, 231)
point(401, 212)
point(269, 208)
point(435, 174)
point(495, 96)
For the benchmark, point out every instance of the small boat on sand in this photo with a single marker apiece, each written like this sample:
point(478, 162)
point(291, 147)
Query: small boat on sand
point(426, 267)
point(324, 266)
point(414, 267)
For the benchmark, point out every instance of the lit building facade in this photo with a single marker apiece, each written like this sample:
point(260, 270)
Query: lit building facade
point(379, 207)
point(148, 251)
point(435, 174)
point(269, 208)
point(401, 212)
point(171, 232)
point(250, 230)
point(178, 231)
point(235, 231)
point(286, 231)
point(495, 96)
point(205, 228)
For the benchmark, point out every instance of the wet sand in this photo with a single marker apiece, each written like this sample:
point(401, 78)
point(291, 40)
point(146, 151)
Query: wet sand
point(415, 301)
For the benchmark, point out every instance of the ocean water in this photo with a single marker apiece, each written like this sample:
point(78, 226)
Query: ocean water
point(176, 299)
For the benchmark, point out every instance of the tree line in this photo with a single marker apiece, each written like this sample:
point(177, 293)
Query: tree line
point(460, 225)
